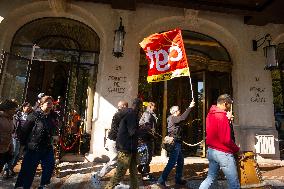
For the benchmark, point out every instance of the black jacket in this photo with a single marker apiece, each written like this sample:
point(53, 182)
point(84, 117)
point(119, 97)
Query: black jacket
point(37, 131)
point(117, 117)
point(126, 140)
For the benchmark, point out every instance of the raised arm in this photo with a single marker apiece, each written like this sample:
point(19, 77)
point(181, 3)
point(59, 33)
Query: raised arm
point(185, 114)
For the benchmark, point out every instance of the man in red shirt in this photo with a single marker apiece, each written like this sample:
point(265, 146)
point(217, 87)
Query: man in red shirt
point(221, 147)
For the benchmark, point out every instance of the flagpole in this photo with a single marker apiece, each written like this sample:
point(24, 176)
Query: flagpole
point(164, 119)
point(191, 88)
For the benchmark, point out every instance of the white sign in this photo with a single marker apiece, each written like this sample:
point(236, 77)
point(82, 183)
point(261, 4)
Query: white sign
point(265, 144)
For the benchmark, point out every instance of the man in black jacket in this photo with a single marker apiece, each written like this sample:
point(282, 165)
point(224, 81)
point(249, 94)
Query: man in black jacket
point(126, 144)
point(111, 144)
point(36, 135)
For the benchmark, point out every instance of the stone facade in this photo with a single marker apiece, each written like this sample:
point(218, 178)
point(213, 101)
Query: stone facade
point(252, 85)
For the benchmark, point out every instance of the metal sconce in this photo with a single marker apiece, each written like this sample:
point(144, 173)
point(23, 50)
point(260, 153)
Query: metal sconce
point(271, 62)
point(118, 41)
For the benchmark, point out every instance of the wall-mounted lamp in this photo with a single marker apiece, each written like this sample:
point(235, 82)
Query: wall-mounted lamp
point(1, 18)
point(118, 41)
point(269, 51)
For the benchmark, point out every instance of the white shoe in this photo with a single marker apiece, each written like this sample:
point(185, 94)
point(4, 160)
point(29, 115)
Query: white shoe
point(122, 186)
point(43, 187)
point(96, 182)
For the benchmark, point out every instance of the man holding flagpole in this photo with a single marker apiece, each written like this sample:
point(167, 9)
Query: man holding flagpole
point(167, 59)
point(176, 157)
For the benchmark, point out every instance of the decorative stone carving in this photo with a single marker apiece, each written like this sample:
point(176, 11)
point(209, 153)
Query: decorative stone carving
point(58, 6)
point(191, 17)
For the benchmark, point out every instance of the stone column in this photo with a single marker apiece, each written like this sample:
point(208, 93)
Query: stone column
point(90, 103)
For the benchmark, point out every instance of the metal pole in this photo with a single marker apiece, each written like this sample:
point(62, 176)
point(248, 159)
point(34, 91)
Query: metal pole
point(29, 72)
point(205, 101)
point(2, 64)
point(164, 121)
point(190, 85)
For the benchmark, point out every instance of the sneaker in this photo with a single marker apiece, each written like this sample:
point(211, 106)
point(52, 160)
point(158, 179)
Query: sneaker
point(148, 178)
point(6, 174)
point(122, 186)
point(96, 182)
point(42, 187)
point(161, 184)
point(181, 182)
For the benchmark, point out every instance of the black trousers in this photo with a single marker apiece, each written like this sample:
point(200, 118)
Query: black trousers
point(5, 158)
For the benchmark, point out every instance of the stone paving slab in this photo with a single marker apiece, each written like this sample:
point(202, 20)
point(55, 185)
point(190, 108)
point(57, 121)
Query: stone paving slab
point(76, 175)
point(82, 181)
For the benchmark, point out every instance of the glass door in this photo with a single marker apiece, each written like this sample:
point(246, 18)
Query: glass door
point(14, 75)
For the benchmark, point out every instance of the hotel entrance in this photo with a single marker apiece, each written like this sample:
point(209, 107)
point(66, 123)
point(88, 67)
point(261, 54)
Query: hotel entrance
point(210, 69)
point(58, 57)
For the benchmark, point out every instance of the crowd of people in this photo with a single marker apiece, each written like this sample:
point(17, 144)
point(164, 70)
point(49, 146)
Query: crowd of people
point(28, 132)
point(131, 138)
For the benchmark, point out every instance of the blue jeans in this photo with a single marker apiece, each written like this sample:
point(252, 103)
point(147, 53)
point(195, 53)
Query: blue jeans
point(227, 163)
point(176, 157)
point(16, 155)
point(29, 166)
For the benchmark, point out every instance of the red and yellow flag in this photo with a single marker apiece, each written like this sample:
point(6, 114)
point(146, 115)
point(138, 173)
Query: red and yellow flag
point(166, 56)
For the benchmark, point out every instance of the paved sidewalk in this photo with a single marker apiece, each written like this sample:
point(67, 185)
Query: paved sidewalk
point(77, 175)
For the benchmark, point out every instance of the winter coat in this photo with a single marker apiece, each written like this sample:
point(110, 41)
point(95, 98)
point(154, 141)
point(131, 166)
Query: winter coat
point(117, 117)
point(126, 140)
point(37, 131)
point(148, 124)
point(218, 131)
point(6, 130)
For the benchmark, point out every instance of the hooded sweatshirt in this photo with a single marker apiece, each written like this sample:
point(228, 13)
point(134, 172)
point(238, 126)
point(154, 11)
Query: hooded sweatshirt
point(219, 132)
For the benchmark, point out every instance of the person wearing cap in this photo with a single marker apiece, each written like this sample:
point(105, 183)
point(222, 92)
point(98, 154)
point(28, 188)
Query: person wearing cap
point(221, 147)
point(126, 145)
point(7, 110)
point(176, 157)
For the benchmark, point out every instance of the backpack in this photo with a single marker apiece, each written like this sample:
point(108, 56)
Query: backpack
point(143, 154)
point(118, 116)
point(18, 125)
